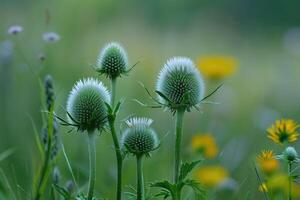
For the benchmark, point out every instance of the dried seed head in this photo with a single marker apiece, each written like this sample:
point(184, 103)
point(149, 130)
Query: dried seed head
point(112, 61)
point(86, 105)
point(181, 83)
point(139, 138)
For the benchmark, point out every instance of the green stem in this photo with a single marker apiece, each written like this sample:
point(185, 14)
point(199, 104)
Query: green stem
point(179, 120)
point(44, 170)
point(290, 180)
point(92, 158)
point(140, 178)
point(111, 121)
point(113, 91)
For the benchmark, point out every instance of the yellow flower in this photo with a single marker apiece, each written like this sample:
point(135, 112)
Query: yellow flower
point(279, 183)
point(212, 176)
point(205, 144)
point(217, 67)
point(284, 130)
point(267, 163)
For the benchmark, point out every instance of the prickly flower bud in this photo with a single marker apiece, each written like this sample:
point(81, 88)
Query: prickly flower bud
point(112, 61)
point(86, 105)
point(181, 84)
point(290, 154)
point(139, 138)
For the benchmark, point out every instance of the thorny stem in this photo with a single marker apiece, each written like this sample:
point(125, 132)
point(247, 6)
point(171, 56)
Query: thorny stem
point(111, 121)
point(92, 159)
point(140, 178)
point(177, 160)
point(290, 180)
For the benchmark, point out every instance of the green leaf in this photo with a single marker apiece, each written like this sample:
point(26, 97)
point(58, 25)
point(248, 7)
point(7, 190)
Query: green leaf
point(168, 189)
point(198, 189)
point(109, 108)
point(186, 168)
point(210, 94)
point(62, 191)
point(117, 107)
point(163, 96)
point(6, 154)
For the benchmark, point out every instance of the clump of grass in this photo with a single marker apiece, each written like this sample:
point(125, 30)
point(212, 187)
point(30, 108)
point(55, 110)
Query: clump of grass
point(49, 138)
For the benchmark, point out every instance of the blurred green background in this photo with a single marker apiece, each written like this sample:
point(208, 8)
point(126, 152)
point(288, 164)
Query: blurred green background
point(263, 36)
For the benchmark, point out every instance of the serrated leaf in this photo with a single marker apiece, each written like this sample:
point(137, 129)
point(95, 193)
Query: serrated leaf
point(198, 189)
point(186, 168)
point(166, 186)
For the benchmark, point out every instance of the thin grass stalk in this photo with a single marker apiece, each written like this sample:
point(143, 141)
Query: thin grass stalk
point(47, 157)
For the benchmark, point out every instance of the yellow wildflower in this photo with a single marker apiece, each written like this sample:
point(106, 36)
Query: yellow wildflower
point(205, 144)
point(267, 163)
point(279, 183)
point(284, 130)
point(217, 67)
point(212, 176)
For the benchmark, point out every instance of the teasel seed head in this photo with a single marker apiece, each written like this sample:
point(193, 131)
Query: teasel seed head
point(290, 154)
point(86, 107)
point(139, 138)
point(112, 61)
point(181, 84)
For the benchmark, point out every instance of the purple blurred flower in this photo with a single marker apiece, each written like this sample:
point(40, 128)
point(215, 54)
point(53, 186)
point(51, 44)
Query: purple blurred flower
point(14, 30)
point(51, 37)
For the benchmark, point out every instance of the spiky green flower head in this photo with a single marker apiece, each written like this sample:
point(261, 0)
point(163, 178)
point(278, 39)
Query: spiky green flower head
point(139, 138)
point(112, 61)
point(180, 84)
point(86, 107)
point(290, 153)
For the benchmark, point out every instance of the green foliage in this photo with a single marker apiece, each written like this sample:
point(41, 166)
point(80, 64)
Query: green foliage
point(173, 190)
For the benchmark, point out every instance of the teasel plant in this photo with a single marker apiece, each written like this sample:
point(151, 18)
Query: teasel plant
point(290, 156)
point(49, 140)
point(139, 139)
point(179, 89)
point(113, 63)
point(87, 113)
